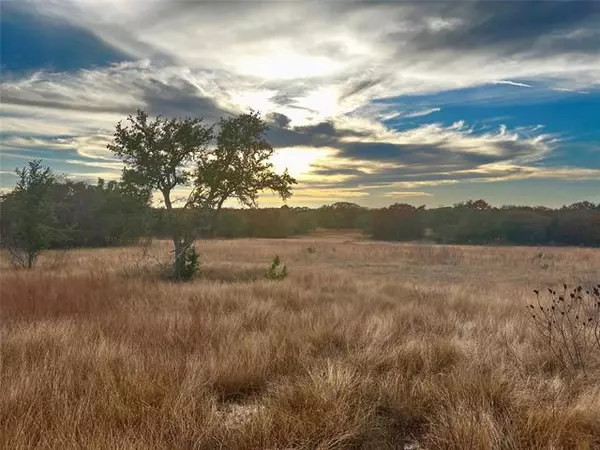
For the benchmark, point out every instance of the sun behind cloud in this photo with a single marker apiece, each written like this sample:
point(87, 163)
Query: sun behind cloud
point(299, 160)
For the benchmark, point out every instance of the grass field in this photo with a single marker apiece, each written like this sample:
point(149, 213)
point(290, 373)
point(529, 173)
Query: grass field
point(364, 346)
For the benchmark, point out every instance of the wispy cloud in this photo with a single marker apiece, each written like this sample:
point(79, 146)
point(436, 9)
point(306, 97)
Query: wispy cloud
point(422, 113)
point(406, 194)
point(512, 83)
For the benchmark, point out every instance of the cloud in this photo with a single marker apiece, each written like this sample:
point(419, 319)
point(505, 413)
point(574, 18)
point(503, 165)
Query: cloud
point(321, 74)
point(120, 89)
point(406, 194)
point(430, 144)
point(418, 184)
point(415, 47)
point(512, 83)
point(281, 120)
point(422, 113)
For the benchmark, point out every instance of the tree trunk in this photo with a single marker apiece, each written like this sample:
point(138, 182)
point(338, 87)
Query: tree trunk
point(178, 260)
point(30, 260)
point(175, 237)
point(180, 243)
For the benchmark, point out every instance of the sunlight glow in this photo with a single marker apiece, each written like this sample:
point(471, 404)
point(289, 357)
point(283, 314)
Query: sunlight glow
point(324, 102)
point(287, 64)
point(298, 160)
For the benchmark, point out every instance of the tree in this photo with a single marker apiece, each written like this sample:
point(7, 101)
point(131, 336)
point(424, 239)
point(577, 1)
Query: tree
point(398, 222)
point(340, 215)
point(584, 205)
point(31, 224)
point(164, 154)
point(477, 205)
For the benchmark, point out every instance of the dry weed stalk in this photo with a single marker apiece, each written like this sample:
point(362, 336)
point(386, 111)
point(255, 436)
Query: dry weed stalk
point(569, 324)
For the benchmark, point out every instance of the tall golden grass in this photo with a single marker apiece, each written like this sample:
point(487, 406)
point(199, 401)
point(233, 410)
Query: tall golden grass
point(364, 346)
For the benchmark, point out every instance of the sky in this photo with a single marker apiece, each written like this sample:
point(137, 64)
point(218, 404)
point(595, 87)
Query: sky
point(428, 103)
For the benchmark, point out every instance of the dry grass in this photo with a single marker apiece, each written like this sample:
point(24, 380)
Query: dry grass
point(364, 346)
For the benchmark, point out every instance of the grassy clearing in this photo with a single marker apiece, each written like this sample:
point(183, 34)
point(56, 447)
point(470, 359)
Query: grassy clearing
point(364, 345)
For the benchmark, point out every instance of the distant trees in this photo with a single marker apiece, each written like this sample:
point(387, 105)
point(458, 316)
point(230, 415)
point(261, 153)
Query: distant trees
point(477, 222)
point(472, 222)
point(165, 154)
point(340, 215)
point(398, 222)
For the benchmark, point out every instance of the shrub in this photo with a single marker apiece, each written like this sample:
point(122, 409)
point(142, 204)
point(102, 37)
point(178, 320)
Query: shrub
point(187, 264)
point(276, 271)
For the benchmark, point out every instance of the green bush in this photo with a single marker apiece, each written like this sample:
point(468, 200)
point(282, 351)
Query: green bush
point(276, 271)
point(187, 265)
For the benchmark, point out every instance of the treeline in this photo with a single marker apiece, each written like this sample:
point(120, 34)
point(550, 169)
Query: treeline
point(77, 214)
point(477, 222)
point(471, 222)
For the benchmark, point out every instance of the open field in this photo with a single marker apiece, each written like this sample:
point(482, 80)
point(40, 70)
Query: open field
point(364, 346)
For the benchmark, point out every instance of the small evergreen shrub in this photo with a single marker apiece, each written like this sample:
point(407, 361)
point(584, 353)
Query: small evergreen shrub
point(187, 265)
point(276, 271)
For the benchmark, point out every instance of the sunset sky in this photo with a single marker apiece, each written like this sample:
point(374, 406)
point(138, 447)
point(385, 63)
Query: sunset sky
point(371, 102)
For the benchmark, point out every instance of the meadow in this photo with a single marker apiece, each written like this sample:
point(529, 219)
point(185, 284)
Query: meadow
point(365, 345)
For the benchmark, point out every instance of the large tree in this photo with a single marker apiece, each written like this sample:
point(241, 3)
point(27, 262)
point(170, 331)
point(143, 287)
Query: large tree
point(231, 160)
